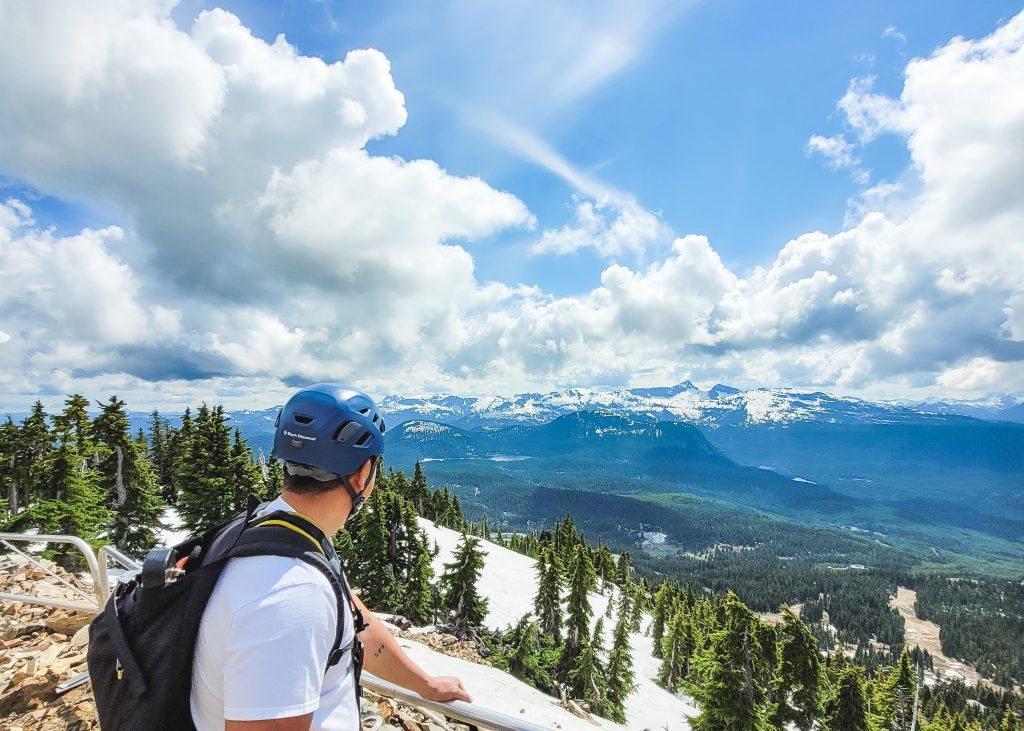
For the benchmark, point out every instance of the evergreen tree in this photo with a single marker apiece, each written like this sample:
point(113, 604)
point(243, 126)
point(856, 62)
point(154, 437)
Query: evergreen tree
point(126, 477)
point(676, 651)
point(183, 469)
point(663, 600)
point(587, 680)
point(847, 709)
point(582, 579)
point(620, 668)
point(160, 452)
point(208, 496)
point(729, 697)
point(1011, 722)
point(797, 674)
point(419, 492)
point(547, 604)
point(624, 567)
point(459, 595)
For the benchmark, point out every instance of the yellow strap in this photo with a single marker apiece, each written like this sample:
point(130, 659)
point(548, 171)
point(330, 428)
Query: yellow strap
point(295, 528)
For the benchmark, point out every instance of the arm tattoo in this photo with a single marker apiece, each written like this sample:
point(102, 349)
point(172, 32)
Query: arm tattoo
point(379, 650)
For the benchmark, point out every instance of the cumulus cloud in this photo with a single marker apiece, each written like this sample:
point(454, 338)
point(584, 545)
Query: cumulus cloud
point(839, 153)
point(260, 244)
point(609, 232)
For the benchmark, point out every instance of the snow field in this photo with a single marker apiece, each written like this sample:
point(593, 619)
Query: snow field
point(509, 583)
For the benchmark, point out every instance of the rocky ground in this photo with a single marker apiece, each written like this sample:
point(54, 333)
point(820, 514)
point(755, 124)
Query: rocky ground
point(43, 646)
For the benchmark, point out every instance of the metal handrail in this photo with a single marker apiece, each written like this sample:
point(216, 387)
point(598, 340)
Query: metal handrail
point(109, 552)
point(458, 710)
point(90, 559)
point(97, 569)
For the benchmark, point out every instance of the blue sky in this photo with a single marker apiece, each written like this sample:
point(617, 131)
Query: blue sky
point(605, 196)
point(707, 125)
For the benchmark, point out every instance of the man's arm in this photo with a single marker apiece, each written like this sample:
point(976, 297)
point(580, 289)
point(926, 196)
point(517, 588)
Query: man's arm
point(295, 723)
point(385, 659)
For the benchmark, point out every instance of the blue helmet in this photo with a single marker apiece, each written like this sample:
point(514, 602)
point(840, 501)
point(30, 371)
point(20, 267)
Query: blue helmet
point(329, 428)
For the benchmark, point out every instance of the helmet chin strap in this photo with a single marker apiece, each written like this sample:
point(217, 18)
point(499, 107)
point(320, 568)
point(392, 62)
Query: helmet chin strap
point(359, 498)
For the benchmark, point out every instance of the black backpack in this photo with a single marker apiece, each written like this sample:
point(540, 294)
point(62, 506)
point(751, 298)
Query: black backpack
point(142, 645)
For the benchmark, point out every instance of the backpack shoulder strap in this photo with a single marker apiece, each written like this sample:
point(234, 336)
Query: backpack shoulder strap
point(295, 536)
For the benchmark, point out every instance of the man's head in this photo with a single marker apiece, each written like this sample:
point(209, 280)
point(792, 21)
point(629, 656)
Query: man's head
point(330, 436)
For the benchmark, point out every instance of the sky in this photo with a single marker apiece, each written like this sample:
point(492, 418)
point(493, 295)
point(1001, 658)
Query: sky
point(223, 201)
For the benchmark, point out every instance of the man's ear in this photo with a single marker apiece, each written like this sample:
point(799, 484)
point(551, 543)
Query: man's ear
point(361, 475)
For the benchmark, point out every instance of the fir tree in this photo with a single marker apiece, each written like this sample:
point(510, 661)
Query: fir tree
point(676, 651)
point(847, 709)
point(126, 478)
point(582, 578)
point(547, 604)
point(459, 595)
point(797, 674)
point(160, 452)
point(620, 669)
point(727, 691)
point(419, 492)
point(209, 496)
point(183, 469)
point(1011, 722)
point(587, 680)
point(662, 606)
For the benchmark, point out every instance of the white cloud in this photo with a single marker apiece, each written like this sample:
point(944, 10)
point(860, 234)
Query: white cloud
point(891, 31)
point(840, 154)
point(629, 229)
point(260, 243)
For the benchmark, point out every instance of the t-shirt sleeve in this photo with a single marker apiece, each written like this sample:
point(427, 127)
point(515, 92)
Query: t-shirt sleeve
point(277, 653)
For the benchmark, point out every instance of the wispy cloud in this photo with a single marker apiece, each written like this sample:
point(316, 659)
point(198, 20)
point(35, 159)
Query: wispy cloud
point(891, 32)
point(839, 154)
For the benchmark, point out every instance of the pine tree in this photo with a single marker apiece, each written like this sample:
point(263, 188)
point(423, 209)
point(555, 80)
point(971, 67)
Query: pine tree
point(676, 651)
point(895, 697)
point(547, 604)
point(126, 478)
point(209, 496)
point(587, 680)
point(620, 667)
point(419, 492)
point(797, 675)
point(183, 469)
point(377, 573)
point(160, 452)
point(459, 595)
point(727, 691)
point(847, 709)
point(582, 579)
point(1011, 722)
point(624, 568)
point(663, 599)
point(8, 463)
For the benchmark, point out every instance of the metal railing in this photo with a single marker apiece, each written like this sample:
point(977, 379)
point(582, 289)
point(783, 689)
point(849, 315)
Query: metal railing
point(457, 710)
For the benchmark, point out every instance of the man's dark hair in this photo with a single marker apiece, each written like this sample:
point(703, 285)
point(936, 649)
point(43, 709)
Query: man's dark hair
point(305, 485)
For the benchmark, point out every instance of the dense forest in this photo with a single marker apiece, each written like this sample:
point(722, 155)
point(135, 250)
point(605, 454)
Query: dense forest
point(72, 473)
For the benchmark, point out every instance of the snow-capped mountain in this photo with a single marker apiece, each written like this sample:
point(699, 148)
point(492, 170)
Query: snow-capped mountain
point(719, 406)
point(1001, 407)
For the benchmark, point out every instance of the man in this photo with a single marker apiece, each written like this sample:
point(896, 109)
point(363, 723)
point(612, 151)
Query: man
point(271, 622)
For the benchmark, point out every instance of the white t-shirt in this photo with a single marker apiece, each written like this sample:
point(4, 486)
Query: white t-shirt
point(263, 645)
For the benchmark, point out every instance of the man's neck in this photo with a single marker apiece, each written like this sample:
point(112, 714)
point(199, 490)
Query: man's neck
point(329, 510)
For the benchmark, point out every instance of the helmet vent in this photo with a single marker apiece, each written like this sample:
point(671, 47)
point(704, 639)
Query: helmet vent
point(303, 419)
point(346, 431)
point(363, 439)
point(381, 426)
point(365, 410)
point(375, 418)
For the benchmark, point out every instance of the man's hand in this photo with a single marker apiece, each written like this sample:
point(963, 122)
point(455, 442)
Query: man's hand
point(444, 688)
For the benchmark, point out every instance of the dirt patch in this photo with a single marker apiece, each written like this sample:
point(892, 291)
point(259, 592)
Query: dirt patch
point(925, 634)
point(775, 618)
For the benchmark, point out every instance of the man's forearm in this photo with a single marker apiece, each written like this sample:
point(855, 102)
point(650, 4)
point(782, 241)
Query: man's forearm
point(385, 659)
